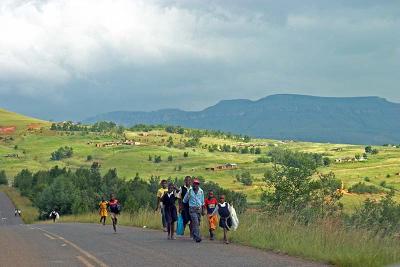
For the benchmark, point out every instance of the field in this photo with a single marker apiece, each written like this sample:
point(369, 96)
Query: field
point(32, 149)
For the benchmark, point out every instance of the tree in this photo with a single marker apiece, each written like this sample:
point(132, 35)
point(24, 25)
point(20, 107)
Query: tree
point(244, 150)
point(170, 142)
point(3, 178)
point(170, 158)
point(24, 181)
point(193, 142)
point(157, 159)
point(181, 130)
point(185, 154)
point(62, 153)
point(245, 178)
point(327, 161)
point(257, 151)
point(246, 138)
point(296, 191)
point(374, 151)
point(358, 156)
point(60, 195)
point(368, 149)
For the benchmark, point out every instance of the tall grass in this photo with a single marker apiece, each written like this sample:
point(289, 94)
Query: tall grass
point(326, 241)
point(29, 212)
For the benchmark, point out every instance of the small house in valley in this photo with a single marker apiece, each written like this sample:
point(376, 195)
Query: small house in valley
point(226, 166)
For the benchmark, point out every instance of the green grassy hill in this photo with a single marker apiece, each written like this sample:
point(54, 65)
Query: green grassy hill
point(35, 147)
point(21, 122)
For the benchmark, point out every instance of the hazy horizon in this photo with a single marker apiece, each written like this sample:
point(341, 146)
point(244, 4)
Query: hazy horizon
point(71, 59)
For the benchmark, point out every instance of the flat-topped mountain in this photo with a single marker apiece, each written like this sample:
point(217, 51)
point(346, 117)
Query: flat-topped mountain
point(355, 120)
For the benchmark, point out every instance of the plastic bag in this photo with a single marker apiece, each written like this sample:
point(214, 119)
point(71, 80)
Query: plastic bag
point(179, 229)
point(234, 218)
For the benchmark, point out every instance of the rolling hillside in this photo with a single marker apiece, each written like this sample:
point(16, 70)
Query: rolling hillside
point(355, 120)
point(11, 122)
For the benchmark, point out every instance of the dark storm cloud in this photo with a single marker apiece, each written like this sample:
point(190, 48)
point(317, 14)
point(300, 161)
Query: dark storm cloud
point(56, 62)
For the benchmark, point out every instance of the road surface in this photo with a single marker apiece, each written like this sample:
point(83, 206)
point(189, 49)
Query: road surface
point(91, 245)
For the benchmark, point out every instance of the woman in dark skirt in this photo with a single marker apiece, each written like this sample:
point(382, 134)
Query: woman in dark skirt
point(168, 199)
point(225, 220)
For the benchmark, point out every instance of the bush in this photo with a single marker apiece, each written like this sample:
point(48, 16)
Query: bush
point(382, 217)
point(245, 178)
point(326, 161)
point(362, 188)
point(157, 159)
point(262, 160)
point(374, 151)
point(3, 178)
point(89, 158)
point(62, 153)
point(193, 142)
point(170, 158)
point(185, 154)
point(366, 178)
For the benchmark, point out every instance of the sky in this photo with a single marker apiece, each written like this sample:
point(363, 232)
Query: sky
point(72, 59)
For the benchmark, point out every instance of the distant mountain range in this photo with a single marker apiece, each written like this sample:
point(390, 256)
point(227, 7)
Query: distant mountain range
point(352, 120)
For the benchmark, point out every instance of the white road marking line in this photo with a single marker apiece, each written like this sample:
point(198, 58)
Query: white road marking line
point(82, 251)
point(84, 261)
point(49, 236)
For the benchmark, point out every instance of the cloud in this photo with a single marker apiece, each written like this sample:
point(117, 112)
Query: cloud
point(152, 54)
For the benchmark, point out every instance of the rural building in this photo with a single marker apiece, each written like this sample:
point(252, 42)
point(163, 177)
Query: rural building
point(226, 166)
point(7, 129)
point(349, 159)
point(118, 143)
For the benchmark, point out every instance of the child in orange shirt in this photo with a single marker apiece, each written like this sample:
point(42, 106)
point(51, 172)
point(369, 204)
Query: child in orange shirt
point(210, 203)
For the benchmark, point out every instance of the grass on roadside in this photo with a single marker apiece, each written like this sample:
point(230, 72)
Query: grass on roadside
point(29, 212)
point(326, 241)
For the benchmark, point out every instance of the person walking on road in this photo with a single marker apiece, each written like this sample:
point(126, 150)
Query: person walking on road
point(184, 207)
point(103, 211)
point(169, 199)
point(160, 204)
point(195, 198)
point(210, 203)
point(225, 221)
point(115, 209)
point(17, 212)
point(54, 215)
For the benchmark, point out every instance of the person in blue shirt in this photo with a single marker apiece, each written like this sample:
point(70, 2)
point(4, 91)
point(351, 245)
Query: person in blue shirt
point(195, 198)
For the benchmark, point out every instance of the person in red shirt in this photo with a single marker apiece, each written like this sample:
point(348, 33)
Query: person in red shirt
point(210, 203)
point(115, 209)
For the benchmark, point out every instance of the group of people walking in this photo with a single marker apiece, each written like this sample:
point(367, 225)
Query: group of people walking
point(192, 206)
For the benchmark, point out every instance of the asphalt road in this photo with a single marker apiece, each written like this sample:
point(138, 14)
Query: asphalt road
point(96, 245)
